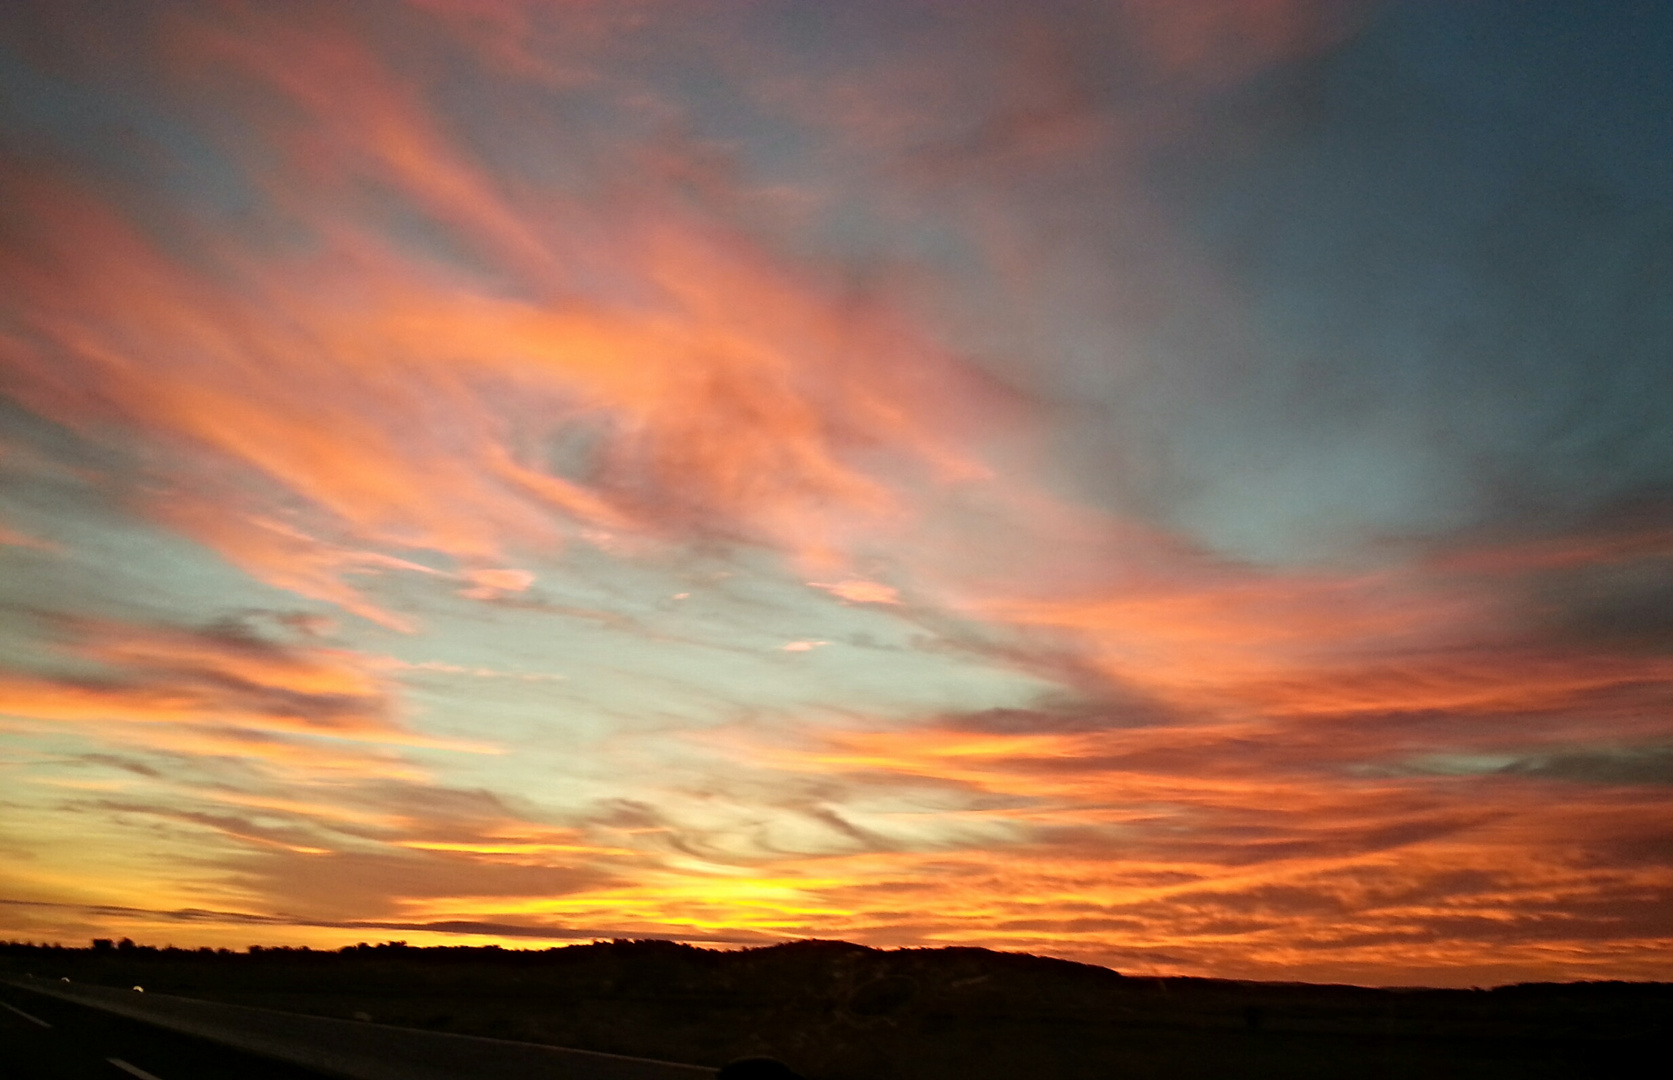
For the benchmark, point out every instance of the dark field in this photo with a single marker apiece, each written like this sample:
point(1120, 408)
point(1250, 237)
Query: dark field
point(837, 1011)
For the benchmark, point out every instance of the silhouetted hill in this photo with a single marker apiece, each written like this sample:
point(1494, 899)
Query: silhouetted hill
point(840, 1011)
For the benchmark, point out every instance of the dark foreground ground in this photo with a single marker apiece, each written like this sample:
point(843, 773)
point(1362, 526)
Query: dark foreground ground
point(843, 1012)
point(43, 1039)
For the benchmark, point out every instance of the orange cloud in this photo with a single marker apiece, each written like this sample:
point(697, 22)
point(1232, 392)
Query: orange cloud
point(403, 359)
point(407, 404)
point(12, 538)
point(860, 592)
point(1245, 849)
point(1225, 41)
point(223, 691)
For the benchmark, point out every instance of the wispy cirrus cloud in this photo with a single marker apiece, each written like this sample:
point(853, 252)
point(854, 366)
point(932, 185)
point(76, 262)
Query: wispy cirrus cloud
point(216, 676)
point(988, 476)
point(409, 397)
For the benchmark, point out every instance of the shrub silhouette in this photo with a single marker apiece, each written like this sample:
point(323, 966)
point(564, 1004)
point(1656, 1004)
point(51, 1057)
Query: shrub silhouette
point(885, 996)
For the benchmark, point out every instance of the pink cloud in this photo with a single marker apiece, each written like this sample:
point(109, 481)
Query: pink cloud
point(488, 584)
point(860, 592)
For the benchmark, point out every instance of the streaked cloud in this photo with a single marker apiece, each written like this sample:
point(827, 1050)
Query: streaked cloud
point(860, 592)
point(1181, 485)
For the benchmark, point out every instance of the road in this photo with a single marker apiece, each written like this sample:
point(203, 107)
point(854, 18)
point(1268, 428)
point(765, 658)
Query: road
point(104, 1027)
point(42, 1038)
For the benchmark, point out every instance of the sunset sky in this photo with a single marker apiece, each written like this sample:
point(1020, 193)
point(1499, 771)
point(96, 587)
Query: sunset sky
point(1184, 485)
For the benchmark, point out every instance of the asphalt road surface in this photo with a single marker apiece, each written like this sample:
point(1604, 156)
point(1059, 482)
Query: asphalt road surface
point(42, 1038)
point(344, 1048)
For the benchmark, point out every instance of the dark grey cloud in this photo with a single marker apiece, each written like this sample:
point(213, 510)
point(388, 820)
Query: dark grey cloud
point(1618, 766)
point(1114, 708)
point(226, 672)
point(1608, 603)
point(370, 883)
point(492, 928)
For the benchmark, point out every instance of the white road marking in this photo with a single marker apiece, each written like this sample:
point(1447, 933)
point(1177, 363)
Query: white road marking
point(26, 1016)
point(133, 1069)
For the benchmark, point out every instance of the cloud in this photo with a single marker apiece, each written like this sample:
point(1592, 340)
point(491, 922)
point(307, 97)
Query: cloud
point(1213, 618)
point(1359, 764)
point(491, 584)
point(12, 538)
point(220, 693)
point(860, 592)
point(239, 922)
point(392, 663)
point(409, 400)
point(222, 673)
point(1623, 765)
point(1243, 856)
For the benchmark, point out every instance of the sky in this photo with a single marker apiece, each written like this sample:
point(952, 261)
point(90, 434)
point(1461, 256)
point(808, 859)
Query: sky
point(1184, 485)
